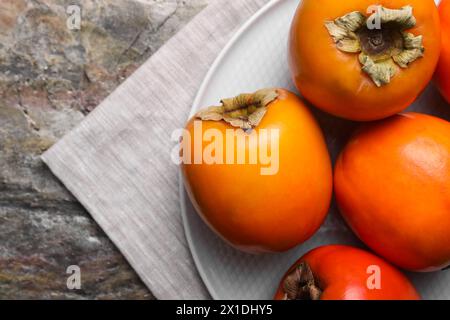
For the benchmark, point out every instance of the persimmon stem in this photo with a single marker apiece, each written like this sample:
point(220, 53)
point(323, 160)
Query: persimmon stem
point(380, 39)
point(301, 284)
point(244, 111)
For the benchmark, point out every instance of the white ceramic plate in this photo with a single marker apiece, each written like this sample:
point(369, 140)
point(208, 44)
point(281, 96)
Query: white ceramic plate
point(257, 58)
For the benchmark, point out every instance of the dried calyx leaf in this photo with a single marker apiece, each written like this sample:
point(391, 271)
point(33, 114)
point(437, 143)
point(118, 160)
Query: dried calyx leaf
point(380, 39)
point(244, 111)
point(343, 30)
point(301, 284)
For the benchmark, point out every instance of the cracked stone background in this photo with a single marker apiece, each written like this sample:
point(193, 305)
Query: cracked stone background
point(50, 78)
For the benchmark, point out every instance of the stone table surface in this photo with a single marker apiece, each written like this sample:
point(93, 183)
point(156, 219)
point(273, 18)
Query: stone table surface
point(51, 76)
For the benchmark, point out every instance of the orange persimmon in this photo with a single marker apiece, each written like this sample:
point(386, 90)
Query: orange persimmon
point(443, 70)
point(252, 207)
point(364, 59)
point(392, 185)
point(339, 272)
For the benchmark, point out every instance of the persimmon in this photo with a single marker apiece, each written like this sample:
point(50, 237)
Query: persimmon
point(392, 185)
point(443, 70)
point(339, 272)
point(255, 206)
point(364, 59)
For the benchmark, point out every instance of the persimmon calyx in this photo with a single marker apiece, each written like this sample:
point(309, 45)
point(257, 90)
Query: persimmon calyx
point(244, 111)
point(380, 39)
point(301, 284)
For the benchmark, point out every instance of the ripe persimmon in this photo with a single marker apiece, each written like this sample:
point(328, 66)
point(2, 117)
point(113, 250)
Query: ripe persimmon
point(443, 70)
point(256, 206)
point(392, 185)
point(363, 59)
point(339, 272)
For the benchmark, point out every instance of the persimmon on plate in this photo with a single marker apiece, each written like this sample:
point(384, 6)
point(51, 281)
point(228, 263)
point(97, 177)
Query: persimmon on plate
point(363, 59)
point(337, 272)
point(443, 70)
point(257, 206)
point(392, 184)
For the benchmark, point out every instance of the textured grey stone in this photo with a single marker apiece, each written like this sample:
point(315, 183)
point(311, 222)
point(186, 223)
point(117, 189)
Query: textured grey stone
point(50, 78)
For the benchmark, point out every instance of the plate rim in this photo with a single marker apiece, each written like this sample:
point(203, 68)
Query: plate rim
point(182, 191)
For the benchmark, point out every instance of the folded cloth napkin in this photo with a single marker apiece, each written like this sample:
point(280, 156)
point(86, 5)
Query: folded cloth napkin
point(117, 161)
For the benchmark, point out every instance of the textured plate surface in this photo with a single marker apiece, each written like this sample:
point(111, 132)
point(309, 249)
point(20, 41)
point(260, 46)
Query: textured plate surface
point(257, 58)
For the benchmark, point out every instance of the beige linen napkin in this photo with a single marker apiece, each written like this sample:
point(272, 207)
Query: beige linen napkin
point(117, 161)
